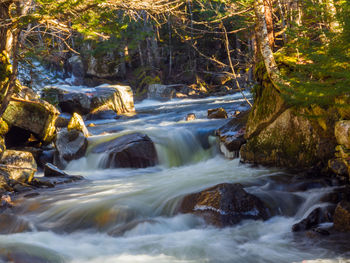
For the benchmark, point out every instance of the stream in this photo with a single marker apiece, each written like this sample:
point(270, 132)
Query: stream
point(130, 215)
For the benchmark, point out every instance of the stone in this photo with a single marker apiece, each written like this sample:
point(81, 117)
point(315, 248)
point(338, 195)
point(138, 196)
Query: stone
point(224, 205)
point(134, 150)
point(101, 115)
point(342, 216)
point(290, 140)
point(37, 117)
point(190, 117)
point(61, 122)
point(342, 133)
point(231, 135)
point(118, 98)
point(52, 171)
point(219, 113)
point(18, 165)
point(76, 66)
point(161, 92)
point(339, 166)
point(70, 145)
point(316, 217)
point(77, 123)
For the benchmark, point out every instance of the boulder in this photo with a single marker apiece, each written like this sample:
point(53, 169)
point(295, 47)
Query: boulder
point(289, 140)
point(342, 133)
point(77, 123)
point(134, 150)
point(224, 204)
point(36, 117)
point(231, 135)
point(18, 165)
point(190, 117)
point(118, 98)
point(219, 113)
point(161, 92)
point(316, 217)
point(342, 216)
point(70, 145)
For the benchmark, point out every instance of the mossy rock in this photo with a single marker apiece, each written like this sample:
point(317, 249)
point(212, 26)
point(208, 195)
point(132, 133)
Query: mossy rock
point(38, 117)
point(292, 140)
point(77, 123)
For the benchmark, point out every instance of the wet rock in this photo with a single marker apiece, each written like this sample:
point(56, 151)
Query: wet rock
point(190, 117)
point(342, 133)
point(52, 171)
point(101, 115)
point(312, 220)
point(70, 145)
point(224, 205)
point(342, 216)
point(50, 182)
point(18, 165)
point(76, 67)
point(118, 98)
point(231, 135)
point(219, 113)
point(21, 188)
point(339, 166)
point(134, 150)
point(37, 117)
point(77, 123)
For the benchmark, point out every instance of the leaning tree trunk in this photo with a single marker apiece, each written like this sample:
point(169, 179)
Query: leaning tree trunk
point(265, 48)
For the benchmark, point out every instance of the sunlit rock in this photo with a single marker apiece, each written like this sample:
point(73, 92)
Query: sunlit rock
point(77, 123)
point(18, 165)
point(37, 117)
point(219, 113)
point(118, 98)
point(342, 133)
point(224, 205)
point(134, 150)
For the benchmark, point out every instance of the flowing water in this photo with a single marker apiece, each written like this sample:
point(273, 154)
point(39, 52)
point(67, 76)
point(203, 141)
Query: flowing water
point(130, 215)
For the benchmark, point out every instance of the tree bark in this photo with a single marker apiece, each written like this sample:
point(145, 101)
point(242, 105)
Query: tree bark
point(269, 21)
point(265, 48)
point(5, 33)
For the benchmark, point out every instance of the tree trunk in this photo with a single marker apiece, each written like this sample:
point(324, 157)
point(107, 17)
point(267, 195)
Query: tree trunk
point(269, 21)
point(265, 48)
point(5, 33)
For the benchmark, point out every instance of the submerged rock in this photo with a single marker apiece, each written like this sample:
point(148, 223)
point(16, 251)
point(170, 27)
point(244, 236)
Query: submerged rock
point(190, 117)
point(219, 113)
point(18, 165)
point(342, 216)
point(224, 204)
point(37, 117)
point(134, 150)
point(118, 98)
point(70, 145)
